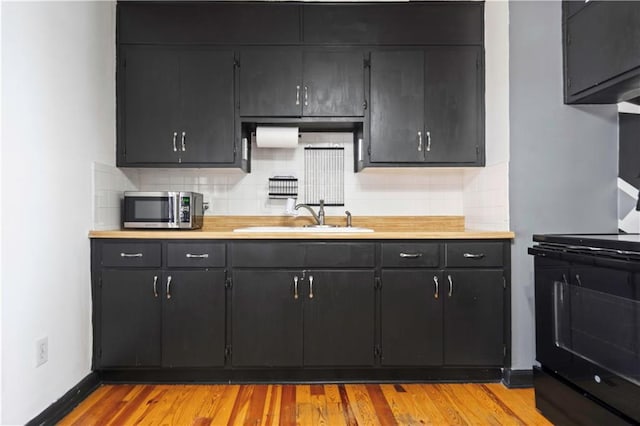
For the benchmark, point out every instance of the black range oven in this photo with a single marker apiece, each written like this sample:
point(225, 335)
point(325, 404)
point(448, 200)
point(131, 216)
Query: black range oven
point(587, 306)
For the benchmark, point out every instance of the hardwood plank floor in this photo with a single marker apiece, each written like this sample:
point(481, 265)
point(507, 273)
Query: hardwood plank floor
point(270, 405)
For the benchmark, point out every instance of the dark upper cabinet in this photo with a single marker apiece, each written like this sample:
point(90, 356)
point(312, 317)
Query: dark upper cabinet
point(602, 51)
point(175, 106)
point(397, 106)
point(176, 22)
point(427, 106)
point(392, 24)
point(291, 82)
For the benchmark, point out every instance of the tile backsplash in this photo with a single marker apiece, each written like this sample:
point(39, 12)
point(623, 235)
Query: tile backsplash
point(477, 193)
point(109, 183)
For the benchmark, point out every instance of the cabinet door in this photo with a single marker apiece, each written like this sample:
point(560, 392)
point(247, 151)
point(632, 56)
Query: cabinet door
point(271, 82)
point(397, 106)
point(453, 104)
point(604, 43)
point(473, 317)
point(412, 317)
point(266, 328)
point(130, 318)
point(193, 319)
point(207, 106)
point(333, 84)
point(338, 318)
point(148, 99)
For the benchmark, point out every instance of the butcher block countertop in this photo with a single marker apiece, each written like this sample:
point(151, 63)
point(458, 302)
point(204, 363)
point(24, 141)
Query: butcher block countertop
point(385, 227)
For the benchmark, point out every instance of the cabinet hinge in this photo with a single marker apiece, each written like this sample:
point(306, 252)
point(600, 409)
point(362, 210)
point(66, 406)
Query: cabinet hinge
point(228, 283)
point(378, 283)
point(365, 104)
point(377, 351)
point(504, 351)
point(227, 352)
point(369, 150)
point(367, 63)
point(236, 63)
point(504, 282)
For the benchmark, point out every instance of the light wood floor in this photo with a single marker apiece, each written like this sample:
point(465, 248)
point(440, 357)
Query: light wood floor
point(407, 404)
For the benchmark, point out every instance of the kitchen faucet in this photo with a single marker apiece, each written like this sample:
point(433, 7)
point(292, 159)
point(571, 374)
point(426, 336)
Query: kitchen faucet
point(319, 218)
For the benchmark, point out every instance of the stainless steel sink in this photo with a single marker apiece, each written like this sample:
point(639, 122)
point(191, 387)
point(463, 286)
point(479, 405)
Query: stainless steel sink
point(309, 229)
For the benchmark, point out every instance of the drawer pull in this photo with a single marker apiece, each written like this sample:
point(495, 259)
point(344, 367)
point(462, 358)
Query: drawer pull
point(155, 286)
point(473, 255)
point(295, 287)
point(437, 293)
point(169, 287)
point(130, 254)
point(198, 256)
point(450, 285)
point(310, 286)
point(410, 255)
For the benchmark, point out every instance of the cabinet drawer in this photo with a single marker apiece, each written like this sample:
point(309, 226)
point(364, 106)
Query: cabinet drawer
point(473, 255)
point(196, 255)
point(140, 255)
point(267, 255)
point(340, 255)
point(411, 255)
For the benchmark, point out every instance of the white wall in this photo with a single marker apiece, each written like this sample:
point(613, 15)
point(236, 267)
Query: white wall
point(58, 98)
point(563, 158)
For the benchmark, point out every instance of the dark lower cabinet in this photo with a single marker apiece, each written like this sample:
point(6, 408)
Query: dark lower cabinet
point(473, 317)
point(450, 317)
point(411, 317)
point(283, 318)
point(339, 312)
point(130, 334)
point(193, 318)
point(266, 317)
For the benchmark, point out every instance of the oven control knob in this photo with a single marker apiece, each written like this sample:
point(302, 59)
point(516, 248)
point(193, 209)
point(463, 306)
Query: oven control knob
point(597, 378)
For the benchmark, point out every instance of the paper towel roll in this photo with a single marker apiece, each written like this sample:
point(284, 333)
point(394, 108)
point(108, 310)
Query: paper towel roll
point(276, 137)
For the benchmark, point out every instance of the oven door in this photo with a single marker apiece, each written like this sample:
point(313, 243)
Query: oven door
point(588, 329)
point(151, 210)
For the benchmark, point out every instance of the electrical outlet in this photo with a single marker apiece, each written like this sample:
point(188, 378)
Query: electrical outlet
point(42, 351)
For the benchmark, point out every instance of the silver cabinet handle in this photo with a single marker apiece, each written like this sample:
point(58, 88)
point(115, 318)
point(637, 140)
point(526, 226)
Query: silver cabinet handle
point(295, 287)
point(184, 137)
point(130, 254)
point(310, 286)
point(428, 141)
point(437, 293)
point(306, 96)
point(197, 256)
point(410, 255)
point(175, 136)
point(473, 255)
point(578, 280)
point(155, 286)
point(450, 285)
point(169, 287)
point(419, 141)
point(297, 95)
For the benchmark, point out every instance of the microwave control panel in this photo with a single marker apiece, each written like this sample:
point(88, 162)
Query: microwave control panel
point(185, 210)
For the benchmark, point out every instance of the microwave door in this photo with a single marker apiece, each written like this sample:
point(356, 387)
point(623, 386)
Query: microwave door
point(149, 211)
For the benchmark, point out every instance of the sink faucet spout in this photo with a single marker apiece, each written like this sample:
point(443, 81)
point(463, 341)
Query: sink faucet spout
point(319, 217)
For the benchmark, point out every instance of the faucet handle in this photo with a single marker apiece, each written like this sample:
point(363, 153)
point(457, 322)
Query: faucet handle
point(348, 213)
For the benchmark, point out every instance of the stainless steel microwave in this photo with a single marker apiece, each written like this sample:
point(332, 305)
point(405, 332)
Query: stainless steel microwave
point(172, 210)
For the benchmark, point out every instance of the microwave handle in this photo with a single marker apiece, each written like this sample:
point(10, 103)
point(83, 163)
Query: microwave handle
point(173, 209)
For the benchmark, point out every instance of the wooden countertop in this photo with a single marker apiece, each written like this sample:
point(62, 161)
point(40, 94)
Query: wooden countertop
point(385, 227)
